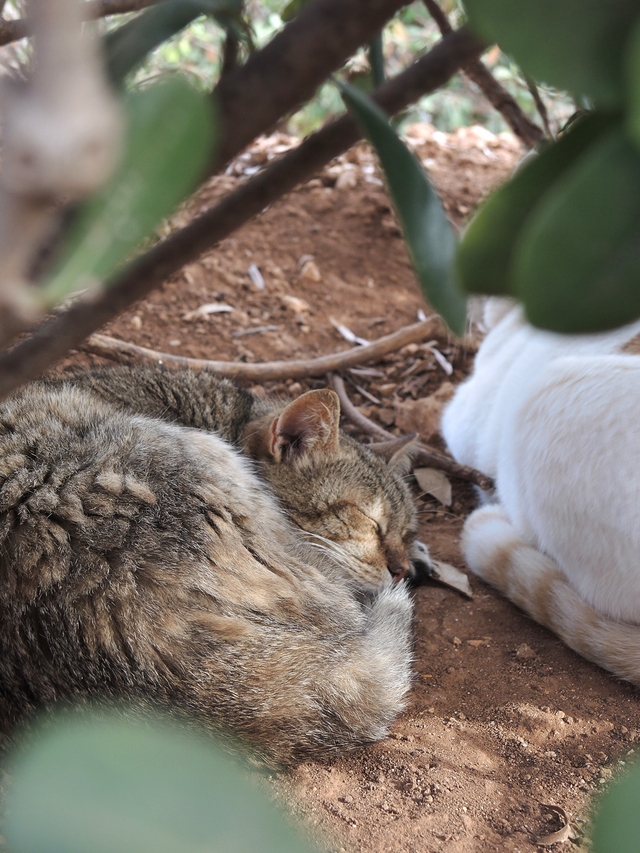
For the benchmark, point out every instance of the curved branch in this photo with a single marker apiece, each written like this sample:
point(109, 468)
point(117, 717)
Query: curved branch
point(120, 351)
point(421, 455)
point(60, 333)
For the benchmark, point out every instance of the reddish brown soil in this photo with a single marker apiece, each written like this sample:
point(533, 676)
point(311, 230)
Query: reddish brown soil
point(503, 718)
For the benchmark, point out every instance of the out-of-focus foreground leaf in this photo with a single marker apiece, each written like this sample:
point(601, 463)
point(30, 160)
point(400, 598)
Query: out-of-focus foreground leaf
point(128, 45)
point(485, 255)
point(111, 785)
point(291, 9)
point(428, 234)
point(573, 44)
point(616, 823)
point(170, 140)
point(574, 266)
point(633, 82)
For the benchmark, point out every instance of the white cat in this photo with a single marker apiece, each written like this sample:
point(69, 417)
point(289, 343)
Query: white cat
point(555, 420)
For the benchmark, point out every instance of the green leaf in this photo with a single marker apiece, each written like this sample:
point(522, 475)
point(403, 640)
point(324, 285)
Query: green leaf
point(110, 785)
point(291, 10)
point(127, 46)
point(616, 823)
point(573, 266)
point(376, 59)
point(573, 44)
point(171, 135)
point(429, 236)
point(633, 82)
point(486, 252)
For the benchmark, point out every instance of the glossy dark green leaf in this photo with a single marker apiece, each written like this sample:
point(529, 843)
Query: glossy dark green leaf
point(616, 823)
point(486, 252)
point(429, 236)
point(110, 785)
point(170, 140)
point(127, 46)
point(573, 44)
point(573, 265)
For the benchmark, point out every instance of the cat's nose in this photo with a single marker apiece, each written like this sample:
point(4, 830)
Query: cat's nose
point(398, 571)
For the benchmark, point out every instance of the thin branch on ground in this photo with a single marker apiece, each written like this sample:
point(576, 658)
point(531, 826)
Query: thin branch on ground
point(11, 31)
point(422, 454)
point(497, 95)
point(66, 330)
point(120, 351)
point(353, 414)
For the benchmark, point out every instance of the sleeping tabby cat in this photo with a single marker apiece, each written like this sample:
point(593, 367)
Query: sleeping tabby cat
point(144, 556)
point(554, 419)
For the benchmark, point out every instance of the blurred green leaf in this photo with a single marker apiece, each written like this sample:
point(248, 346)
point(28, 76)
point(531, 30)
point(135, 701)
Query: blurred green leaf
point(170, 141)
point(291, 9)
point(580, 241)
point(633, 82)
point(486, 252)
point(110, 785)
point(572, 44)
point(127, 46)
point(429, 236)
point(376, 60)
point(616, 823)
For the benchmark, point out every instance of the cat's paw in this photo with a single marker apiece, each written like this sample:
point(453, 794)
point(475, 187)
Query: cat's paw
point(421, 564)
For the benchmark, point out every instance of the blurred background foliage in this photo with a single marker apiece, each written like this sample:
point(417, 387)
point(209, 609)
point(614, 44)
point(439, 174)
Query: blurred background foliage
point(197, 52)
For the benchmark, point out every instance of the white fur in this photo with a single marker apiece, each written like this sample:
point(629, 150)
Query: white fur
point(555, 420)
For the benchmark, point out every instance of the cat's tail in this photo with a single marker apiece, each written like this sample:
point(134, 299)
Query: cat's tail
point(495, 551)
point(365, 687)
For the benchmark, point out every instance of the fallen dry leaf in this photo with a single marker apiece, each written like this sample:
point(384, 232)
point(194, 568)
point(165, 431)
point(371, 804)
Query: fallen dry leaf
point(452, 577)
point(424, 415)
point(436, 483)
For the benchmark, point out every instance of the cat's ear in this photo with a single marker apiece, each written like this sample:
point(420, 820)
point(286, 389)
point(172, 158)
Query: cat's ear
point(310, 423)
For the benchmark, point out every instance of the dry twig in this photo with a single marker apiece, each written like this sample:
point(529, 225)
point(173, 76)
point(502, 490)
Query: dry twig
point(424, 455)
point(270, 370)
point(496, 94)
point(68, 329)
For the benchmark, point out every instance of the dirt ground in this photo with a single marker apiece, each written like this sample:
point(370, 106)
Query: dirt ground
point(503, 719)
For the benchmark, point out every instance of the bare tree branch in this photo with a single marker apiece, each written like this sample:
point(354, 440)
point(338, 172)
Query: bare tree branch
point(13, 30)
point(496, 94)
point(422, 454)
point(540, 105)
point(64, 331)
point(130, 353)
point(289, 69)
